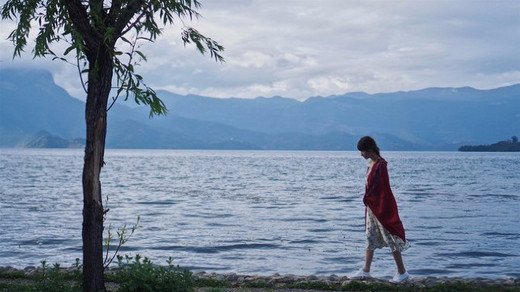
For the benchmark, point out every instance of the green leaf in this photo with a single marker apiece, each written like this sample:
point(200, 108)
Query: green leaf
point(141, 55)
point(68, 50)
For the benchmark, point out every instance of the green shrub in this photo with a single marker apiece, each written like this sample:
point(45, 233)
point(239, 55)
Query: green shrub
point(51, 279)
point(137, 274)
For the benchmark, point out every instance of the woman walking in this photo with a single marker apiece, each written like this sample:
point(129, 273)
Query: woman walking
point(382, 223)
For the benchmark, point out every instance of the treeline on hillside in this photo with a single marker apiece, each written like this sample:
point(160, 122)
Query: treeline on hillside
point(511, 145)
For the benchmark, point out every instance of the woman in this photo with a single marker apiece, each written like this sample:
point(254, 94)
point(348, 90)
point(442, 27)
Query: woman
point(382, 223)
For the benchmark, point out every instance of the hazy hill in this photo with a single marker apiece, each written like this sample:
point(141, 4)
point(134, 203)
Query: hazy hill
point(433, 118)
point(428, 119)
point(30, 102)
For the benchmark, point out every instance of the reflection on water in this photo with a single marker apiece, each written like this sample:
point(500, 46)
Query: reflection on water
point(268, 212)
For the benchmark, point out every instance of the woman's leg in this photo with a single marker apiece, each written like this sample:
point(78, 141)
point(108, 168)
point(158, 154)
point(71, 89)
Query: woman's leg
point(399, 262)
point(369, 255)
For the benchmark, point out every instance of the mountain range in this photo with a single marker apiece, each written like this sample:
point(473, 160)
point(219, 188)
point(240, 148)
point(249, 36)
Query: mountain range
point(35, 112)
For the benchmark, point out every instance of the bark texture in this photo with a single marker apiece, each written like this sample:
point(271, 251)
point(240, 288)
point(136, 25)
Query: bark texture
point(100, 77)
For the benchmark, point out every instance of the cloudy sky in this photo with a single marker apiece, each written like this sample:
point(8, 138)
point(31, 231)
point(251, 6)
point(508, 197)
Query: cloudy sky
point(303, 48)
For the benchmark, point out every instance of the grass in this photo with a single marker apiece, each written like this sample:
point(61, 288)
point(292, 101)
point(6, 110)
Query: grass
point(140, 274)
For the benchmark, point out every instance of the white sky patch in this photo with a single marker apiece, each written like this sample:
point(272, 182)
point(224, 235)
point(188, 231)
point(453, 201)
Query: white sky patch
point(303, 48)
point(253, 59)
point(328, 85)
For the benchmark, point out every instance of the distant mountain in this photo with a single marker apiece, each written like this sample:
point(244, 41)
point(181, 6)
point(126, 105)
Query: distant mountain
point(428, 119)
point(46, 140)
point(30, 102)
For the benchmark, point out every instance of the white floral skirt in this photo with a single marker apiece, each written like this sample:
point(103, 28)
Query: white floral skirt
point(379, 237)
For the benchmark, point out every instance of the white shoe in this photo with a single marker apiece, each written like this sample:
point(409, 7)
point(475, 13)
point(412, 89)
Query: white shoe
point(360, 275)
point(400, 278)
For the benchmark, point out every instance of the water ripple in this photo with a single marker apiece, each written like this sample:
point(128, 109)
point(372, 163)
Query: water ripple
point(265, 212)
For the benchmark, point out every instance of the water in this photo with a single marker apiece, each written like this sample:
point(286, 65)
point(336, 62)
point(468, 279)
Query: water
point(264, 212)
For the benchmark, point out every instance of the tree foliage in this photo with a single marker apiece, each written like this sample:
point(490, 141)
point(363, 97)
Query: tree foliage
point(118, 24)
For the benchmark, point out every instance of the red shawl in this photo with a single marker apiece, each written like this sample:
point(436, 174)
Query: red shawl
point(380, 199)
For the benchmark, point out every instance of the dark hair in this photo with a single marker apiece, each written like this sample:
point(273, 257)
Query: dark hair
point(368, 143)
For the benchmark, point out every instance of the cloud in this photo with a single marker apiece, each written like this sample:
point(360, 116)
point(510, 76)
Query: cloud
point(303, 48)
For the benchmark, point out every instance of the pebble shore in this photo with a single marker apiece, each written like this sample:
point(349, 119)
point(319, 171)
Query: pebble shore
point(287, 280)
point(280, 281)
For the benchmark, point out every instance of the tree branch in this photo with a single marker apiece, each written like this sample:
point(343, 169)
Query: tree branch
point(133, 24)
point(79, 17)
point(80, 73)
point(115, 10)
point(126, 14)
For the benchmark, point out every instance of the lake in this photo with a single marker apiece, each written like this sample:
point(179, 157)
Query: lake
point(266, 212)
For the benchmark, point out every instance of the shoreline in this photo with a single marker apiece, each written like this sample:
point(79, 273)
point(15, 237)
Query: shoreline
point(289, 281)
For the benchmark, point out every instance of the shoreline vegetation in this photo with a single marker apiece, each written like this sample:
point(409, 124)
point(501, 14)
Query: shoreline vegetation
point(511, 145)
point(142, 275)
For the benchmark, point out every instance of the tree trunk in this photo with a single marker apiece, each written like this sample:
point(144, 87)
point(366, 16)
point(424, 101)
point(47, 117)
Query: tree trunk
point(99, 85)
